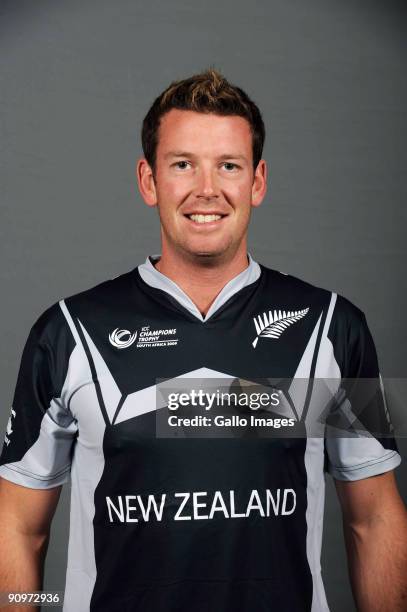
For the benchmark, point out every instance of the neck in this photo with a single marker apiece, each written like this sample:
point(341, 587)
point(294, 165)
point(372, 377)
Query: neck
point(202, 278)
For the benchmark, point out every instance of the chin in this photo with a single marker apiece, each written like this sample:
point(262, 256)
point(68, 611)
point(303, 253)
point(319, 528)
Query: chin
point(208, 255)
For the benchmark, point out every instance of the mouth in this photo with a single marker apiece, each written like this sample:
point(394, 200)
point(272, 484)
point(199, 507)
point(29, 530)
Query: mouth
point(207, 219)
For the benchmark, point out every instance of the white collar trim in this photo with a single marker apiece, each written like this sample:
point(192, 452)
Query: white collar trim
point(156, 279)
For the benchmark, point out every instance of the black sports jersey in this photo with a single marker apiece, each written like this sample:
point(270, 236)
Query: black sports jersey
point(172, 525)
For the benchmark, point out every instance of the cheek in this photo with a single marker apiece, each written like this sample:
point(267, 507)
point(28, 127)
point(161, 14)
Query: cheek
point(242, 199)
point(171, 193)
point(240, 192)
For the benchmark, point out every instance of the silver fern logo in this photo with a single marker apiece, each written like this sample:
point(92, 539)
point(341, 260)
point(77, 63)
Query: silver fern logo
point(122, 338)
point(272, 326)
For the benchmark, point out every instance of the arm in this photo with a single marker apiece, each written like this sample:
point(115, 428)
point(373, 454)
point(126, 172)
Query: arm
point(375, 530)
point(25, 516)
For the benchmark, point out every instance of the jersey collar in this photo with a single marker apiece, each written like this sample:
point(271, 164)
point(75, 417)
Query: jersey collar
point(154, 278)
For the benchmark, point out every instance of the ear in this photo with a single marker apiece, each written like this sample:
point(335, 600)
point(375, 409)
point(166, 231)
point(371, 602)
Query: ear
point(259, 186)
point(146, 183)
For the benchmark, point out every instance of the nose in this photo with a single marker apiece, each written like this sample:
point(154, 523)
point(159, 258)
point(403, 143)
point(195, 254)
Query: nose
point(207, 186)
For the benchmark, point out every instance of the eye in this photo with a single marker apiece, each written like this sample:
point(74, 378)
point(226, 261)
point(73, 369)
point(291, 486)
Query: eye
point(230, 165)
point(177, 164)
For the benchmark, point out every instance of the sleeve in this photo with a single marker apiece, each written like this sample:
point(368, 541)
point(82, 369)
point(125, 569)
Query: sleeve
point(366, 446)
point(40, 432)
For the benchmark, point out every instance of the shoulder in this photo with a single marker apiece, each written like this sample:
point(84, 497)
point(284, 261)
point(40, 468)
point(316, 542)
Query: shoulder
point(51, 325)
point(104, 293)
point(346, 329)
point(346, 320)
point(344, 307)
point(296, 289)
point(281, 282)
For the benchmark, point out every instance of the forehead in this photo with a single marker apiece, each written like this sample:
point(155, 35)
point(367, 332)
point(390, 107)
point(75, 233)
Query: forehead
point(196, 132)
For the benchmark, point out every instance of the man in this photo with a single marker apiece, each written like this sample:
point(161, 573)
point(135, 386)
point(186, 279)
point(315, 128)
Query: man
point(165, 524)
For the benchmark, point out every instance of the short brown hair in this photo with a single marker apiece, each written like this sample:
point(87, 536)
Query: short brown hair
point(207, 92)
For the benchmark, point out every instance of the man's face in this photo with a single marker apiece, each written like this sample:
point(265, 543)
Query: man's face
point(204, 182)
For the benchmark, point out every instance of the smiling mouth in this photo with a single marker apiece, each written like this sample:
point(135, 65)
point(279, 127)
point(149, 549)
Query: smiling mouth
point(201, 219)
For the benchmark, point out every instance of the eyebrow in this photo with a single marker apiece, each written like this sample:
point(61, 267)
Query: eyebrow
point(192, 155)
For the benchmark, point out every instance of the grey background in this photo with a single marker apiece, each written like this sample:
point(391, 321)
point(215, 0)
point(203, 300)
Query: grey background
point(330, 78)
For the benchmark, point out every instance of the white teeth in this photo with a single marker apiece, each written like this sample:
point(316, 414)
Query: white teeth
point(204, 218)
